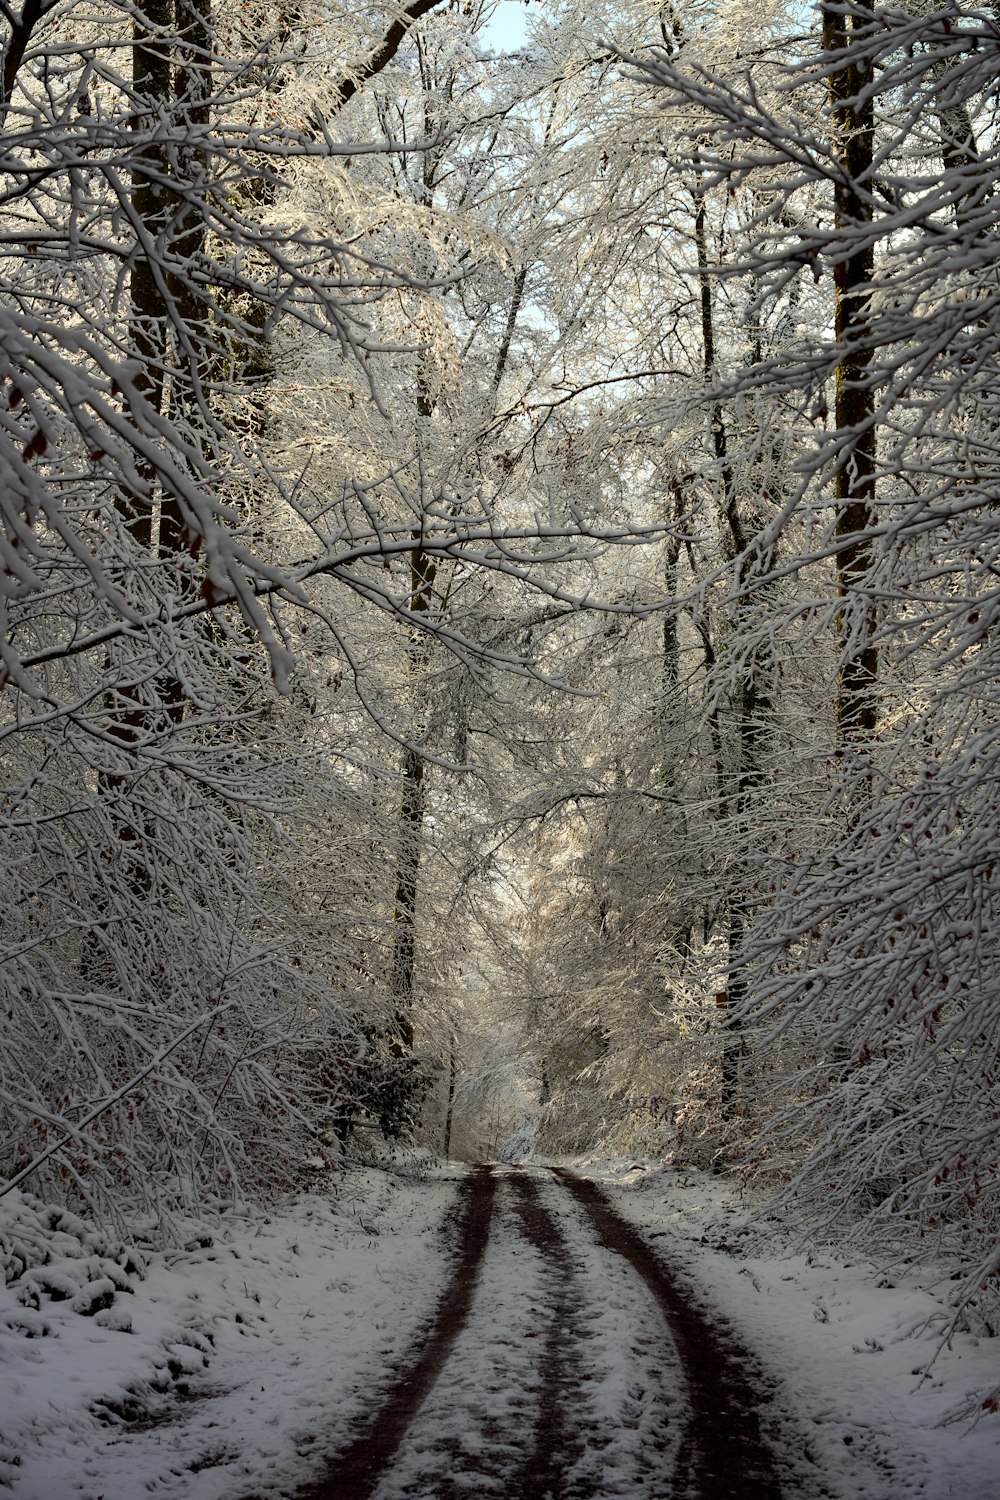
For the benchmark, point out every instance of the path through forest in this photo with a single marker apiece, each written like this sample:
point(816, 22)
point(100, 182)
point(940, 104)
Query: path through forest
point(562, 1360)
point(425, 1330)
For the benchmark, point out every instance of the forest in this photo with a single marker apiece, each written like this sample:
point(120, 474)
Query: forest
point(501, 585)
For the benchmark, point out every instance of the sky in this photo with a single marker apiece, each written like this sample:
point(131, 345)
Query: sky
point(508, 28)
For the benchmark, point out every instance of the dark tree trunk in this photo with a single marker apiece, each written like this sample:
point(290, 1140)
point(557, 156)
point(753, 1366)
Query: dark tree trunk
point(853, 123)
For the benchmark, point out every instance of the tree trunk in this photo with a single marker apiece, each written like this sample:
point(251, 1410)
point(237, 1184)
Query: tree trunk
point(423, 570)
point(191, 333)
point(732, 1040)
point(411, 822)
point(449, 1114)
point(671, 671)
point(854, 486)
point(152, 33)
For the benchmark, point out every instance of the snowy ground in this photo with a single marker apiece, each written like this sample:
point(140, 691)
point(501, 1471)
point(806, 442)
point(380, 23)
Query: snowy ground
point(553, 1317)
point(241, 1358)
point(846, 1346)
point(228, 1369)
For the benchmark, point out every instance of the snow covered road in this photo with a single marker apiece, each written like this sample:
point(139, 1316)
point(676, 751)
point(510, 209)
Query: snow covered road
point(562, 1364)
point(422, 1330)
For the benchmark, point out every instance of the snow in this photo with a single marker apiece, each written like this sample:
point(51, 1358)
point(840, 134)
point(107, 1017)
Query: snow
point(234, 1366)
point(632, 1371)
point(241, 1357)
point(870, 1404)
point(481, 1418)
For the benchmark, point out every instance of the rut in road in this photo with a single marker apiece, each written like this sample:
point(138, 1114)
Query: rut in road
point(480, 1430)
point(560, 1371)
point(355, 1472)
point(563, 1363)
point(725, 1456)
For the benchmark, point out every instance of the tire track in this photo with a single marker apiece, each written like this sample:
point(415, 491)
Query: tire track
point(542, 1476)
point(478, 1433)
point(632, 1408)
point(725, 1456)
point(355, 1472)
point(717, 1451)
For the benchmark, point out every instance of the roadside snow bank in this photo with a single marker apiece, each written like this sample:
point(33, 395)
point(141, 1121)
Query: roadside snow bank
point(214, 1370)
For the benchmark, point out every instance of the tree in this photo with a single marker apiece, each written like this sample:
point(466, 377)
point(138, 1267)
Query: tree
point(864, 969)
point(186, 217)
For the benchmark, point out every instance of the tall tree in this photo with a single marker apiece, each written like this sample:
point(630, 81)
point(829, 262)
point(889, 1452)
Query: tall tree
point(852, 111)
point(862, 960)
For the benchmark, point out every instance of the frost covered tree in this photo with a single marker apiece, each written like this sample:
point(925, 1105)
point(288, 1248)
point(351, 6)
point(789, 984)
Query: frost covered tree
point(204, 250)
point(828, 446)
point(159, 952)
point(868, 968)
point(616, 407)
point(486, 403)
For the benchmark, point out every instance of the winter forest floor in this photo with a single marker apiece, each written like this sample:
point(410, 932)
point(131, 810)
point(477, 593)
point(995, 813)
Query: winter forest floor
point(434, 1332)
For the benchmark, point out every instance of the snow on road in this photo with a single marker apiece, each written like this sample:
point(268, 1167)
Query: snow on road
point(237, 1369)
point(871, 1405)
point(610, 1429)
point(632, 1388)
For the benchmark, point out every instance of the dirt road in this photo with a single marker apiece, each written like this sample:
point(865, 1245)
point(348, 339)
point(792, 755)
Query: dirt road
point(563, 1363)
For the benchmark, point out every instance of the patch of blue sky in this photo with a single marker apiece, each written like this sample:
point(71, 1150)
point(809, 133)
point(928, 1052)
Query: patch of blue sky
point(507, 28)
